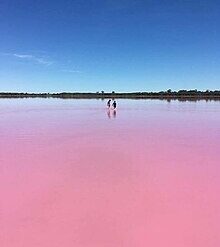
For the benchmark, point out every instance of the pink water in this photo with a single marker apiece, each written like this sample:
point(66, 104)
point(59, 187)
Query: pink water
point(73, 174)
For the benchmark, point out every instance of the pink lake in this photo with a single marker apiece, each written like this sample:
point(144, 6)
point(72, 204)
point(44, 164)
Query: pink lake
point(74, 175)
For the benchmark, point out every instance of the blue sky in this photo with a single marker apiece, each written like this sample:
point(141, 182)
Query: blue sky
point(121, 45)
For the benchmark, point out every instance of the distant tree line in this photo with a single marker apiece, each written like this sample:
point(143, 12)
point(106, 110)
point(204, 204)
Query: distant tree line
point(169, 94)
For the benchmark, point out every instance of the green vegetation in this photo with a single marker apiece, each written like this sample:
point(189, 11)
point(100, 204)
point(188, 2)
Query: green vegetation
point(168, 95)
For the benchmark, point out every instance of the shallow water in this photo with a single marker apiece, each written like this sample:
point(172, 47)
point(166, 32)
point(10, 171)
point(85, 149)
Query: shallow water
point(73, 174)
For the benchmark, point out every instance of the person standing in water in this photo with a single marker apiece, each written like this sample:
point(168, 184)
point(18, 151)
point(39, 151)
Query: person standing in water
point(114, 104)
point(109, 103)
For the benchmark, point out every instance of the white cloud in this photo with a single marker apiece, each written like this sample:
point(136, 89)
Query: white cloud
point(23, 56)
point(29, 57)
point(42, 60)
point(71, 71)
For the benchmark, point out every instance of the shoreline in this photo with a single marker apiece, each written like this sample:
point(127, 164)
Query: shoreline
point(181, 95)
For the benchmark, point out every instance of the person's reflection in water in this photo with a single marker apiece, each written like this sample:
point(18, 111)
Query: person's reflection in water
point(109, 113)
point(114, 113)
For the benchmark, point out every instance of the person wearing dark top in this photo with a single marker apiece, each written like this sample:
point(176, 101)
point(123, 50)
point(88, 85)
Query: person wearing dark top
point(114, 104)
point(109, 103)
